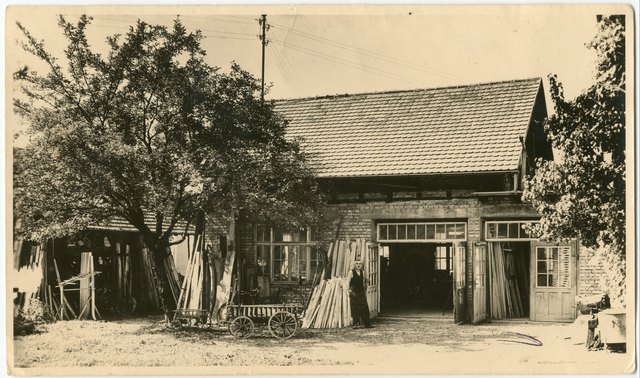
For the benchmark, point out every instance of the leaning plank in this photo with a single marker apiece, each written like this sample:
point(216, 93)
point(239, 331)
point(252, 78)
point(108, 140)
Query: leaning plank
point(223, 289)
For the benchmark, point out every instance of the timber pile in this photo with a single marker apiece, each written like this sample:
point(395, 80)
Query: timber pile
point(172, 272)
point(149, 289)
point(506, 300)
point(191, 292)
point(124, 273)
point(87, 287)
point(199, 281)
point(329, 305)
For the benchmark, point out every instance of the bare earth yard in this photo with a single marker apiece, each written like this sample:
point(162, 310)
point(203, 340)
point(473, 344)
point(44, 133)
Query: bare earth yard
point(394, 345)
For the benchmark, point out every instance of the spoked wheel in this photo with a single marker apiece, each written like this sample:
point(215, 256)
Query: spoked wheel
point(282, 324)
point(241, 327)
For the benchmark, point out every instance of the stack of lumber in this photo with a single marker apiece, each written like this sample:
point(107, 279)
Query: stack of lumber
point(506, 301)
point(329, 305)
point(124, 272)
point(149, 289)
point(191, 293)
point(87, 287)
point(172, 273)
point(199, 281)
point(26, 254)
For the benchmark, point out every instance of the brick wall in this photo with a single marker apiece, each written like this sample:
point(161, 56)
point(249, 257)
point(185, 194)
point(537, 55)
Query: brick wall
point(591, 273)
point(357, 220)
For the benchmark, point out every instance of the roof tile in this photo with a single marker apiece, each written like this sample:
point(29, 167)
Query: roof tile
point(441, 130)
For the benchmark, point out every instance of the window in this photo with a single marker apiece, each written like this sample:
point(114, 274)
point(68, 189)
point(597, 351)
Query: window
point(553, 266)
point(507, 230)
point(286, 256)
point(421, 231)
point(443, 258)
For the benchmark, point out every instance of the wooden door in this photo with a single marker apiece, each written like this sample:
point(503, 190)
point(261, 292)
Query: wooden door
point(479, 283)
point(372, 269)
point(459, 282)
point(553, 281)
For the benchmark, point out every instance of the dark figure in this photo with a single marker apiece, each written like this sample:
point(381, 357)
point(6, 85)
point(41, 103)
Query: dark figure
point(593, 337)
point(358, 297)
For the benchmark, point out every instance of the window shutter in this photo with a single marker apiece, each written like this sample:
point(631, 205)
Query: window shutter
point(564, 267)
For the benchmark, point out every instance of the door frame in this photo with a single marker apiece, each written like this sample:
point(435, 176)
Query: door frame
point(573, 281)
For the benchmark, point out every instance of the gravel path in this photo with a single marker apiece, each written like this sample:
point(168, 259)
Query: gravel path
point(394, 345)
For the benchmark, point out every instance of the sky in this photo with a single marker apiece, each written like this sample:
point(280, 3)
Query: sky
point(328, 50)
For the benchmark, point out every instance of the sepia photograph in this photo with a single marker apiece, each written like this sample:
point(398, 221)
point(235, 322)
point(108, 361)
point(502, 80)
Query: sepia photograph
point(315, 189)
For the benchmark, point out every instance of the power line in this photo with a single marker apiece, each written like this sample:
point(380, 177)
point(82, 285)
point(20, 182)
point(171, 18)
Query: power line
point(287, 63)
point(368, 53)
point(288, 75)
point(349, 63)
point(225, 32)
point(219, 19)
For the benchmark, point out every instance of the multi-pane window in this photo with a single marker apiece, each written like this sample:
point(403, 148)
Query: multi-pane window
point(286, 256)
point(421, 231)
point(507, 230)
point(444, 258)
point(553, 267)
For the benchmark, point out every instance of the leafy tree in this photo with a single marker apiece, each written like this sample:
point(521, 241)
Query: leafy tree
point(584, 194)
point(150, 127)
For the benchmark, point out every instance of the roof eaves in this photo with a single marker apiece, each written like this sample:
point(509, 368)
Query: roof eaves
point(516, 170)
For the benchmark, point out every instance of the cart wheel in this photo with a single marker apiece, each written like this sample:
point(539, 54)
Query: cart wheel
point(283, 324)
point(241, 327)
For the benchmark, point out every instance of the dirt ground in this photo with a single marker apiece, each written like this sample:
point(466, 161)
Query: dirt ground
point(394, 345)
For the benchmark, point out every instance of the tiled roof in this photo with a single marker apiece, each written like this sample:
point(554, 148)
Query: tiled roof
point(120, 224)
point(474, 128)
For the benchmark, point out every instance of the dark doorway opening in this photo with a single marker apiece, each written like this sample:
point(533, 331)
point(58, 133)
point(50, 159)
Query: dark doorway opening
point(509, 273)
point(417, 278)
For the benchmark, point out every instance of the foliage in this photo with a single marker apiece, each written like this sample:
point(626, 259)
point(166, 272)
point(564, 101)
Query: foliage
point(31, 317)
point(150, 127)
point(584, 195)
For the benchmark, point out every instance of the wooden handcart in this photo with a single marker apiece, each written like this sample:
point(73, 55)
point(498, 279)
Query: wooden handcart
point(282, 320)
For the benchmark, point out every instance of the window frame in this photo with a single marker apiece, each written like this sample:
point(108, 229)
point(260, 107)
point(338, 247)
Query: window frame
point(448, 258)
point(508, 237)
point(556, 263)
point(425, 239)
point(307, 246)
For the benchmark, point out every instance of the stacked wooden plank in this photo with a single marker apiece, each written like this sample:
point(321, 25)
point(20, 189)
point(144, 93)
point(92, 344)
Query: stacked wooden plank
point(149, 289)
point(87, 288)
point(200, 279)
point(172, 273)
point(329, 305)
point(506, 301)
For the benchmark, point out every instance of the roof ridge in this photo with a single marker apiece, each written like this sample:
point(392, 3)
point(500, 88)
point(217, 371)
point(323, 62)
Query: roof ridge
point(340, 95)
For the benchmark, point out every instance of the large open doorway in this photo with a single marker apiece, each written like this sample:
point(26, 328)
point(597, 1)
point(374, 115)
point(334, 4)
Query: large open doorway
point(417, 279)
point(509, 275)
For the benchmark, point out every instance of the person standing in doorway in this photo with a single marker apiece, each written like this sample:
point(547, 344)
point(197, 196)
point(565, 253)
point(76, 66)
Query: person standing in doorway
point(358, 297)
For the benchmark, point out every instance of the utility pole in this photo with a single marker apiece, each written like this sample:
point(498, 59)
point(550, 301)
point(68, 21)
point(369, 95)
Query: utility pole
point(263, 38)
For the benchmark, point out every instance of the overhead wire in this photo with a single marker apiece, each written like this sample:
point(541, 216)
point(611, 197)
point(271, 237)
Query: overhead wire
point(291, 66)
point(288, 75)
point(369, 53)
point(349, 63)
